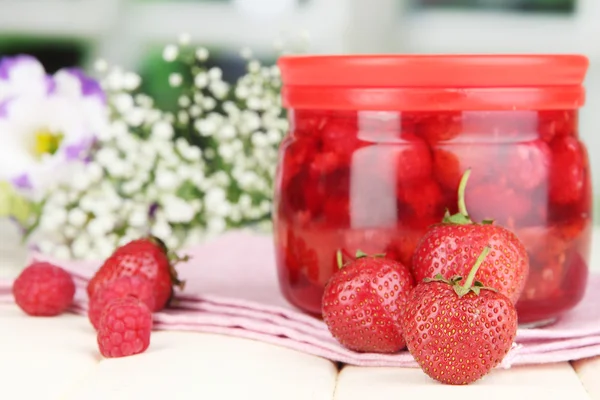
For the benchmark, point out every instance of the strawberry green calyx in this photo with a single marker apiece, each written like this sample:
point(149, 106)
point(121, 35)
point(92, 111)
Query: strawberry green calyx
point(470, 285)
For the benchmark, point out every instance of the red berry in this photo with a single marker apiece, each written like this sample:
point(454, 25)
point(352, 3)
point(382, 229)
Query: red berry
point(451, 248)
point(528, 164)
point(458, 332)
point(438, 126)
point(300, 259)
point(451, 161)
point(504, 205)
point(146, 258)
point(403, 246)
point(125, 328)
point(555, 123)
point(567, 171)
point(413, 160)
point(124, 286)
point(339, 134)
point(424, 201)
point(362, 304)
point(43, 289)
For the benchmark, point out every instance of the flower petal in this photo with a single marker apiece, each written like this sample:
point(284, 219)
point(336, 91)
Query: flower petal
point(73, 82)
point(22, 75)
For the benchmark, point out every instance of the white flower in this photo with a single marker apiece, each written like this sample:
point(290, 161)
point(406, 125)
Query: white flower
point(202, 54)
point(201, 80)
point(163, 130)
point(46, 122)
point(162, 229)
point(170, 53)
point(185, 38)
point(175, 79)
point(177, 210)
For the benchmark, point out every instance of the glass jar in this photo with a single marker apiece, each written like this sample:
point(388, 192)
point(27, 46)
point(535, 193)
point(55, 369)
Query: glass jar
point(377, 145)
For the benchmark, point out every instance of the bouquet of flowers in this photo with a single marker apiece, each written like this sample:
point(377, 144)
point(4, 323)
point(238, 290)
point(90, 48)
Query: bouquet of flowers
point(88, 164)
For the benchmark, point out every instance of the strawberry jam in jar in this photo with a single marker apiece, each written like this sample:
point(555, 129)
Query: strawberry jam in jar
point(377, 146)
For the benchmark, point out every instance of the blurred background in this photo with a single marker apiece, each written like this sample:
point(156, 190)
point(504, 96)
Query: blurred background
point(132, 33)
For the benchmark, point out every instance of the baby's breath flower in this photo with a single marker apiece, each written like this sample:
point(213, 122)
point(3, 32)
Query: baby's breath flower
point(202, 54)
point(170, 53)
point(175, 79)
point(147, 173)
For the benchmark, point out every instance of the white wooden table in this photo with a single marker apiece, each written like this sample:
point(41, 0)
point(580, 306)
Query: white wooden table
point(57, 358)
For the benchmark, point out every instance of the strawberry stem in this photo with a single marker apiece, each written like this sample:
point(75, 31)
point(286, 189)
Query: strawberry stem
point(462, 207)
point(462, 217)
point(340, 259)
point(461, 290)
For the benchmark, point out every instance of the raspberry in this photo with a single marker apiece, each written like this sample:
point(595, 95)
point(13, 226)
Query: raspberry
point(43, 289)
point(125, 327)
point(124, 286)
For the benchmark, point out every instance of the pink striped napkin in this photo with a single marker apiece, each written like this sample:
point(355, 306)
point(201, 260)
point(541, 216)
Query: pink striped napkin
point(232, 289)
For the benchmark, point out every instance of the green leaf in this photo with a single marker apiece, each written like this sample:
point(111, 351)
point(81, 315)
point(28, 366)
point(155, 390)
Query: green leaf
point(360, 254)
point(188, 191)
point(12, 204)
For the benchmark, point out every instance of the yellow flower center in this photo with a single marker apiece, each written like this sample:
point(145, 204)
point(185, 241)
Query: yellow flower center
point(46, 142)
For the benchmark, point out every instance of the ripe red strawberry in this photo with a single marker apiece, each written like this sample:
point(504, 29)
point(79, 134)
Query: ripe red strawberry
point(363, 301)
point(147, 258)
point(458, 333)
point(450, 248)
point(125, 328)
point(124, 286)
point(43, 289)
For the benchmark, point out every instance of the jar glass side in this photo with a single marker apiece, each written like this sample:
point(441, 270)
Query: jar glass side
point(375, 181)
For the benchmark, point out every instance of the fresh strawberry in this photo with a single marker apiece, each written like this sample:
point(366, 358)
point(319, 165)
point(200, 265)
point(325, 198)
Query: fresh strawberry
point(148, 258)
point(458, 333)
point(43, 289)
point(363, 301)
point(450, 248)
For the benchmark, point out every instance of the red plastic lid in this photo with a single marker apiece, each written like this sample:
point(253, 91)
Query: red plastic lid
point(433, 82)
